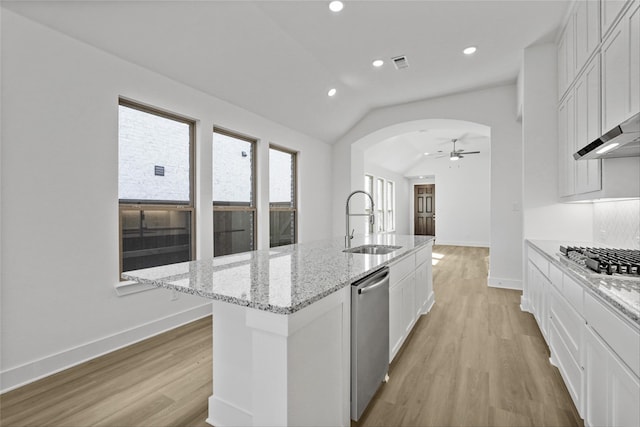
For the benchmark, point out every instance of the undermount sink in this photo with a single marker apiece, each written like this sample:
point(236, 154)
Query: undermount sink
point(372, 249)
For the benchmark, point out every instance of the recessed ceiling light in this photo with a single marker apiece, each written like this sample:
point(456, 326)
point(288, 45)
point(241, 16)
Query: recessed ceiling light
point(426, 154)
point(421, 177)
point(378, 63)
point(470, 50)
point(336, 6)
point(332, 91)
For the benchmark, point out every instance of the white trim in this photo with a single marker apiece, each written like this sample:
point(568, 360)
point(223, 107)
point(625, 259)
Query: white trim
point(498, 282)
point(524, 304)
point(32, 371)
point(470, 244)
point(129, 287)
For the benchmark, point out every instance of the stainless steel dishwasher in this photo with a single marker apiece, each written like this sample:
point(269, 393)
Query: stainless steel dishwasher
point(369, 338)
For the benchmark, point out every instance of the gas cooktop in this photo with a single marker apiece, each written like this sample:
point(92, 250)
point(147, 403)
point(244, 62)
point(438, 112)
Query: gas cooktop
point(619, 262)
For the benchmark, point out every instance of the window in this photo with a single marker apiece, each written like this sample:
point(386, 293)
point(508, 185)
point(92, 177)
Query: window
point(282, 197)
point(368, 187)
point(155, 187)
point(391, 198)
point(380, 204)
point(234, 204)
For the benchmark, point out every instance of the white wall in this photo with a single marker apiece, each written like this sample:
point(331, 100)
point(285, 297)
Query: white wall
point(402, 193)
point(463, 198)
point(493, 107)
point(60, 197)
point(543, 216)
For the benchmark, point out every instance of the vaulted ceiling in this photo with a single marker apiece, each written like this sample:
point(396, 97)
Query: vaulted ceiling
point(279, 58)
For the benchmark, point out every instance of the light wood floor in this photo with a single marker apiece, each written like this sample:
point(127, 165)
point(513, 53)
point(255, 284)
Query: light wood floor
point(476, 359)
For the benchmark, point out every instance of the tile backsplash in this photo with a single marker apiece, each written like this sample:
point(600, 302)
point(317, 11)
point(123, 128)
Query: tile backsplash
point(617, 223)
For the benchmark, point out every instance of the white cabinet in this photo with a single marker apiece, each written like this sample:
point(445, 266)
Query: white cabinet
point(587, 127)
point(566, 143)
point(612, 391)
point(566, 55)
point(587, 30)
point(620, 56)
point(579, 124)
point(566, 332)
point(410, 295)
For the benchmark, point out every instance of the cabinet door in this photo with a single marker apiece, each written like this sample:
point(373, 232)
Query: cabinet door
point(587, 109)
point(612, 391)
point(587, 24)
point(633, 23)
point(595, 368)
point(621, 69)
point(396, 327)
point(409, 302)
point(421, 288)
point(624, 394)
point(566, 143)
point(566, 57)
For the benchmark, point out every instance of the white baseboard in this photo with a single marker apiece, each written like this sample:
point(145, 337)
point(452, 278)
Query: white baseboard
point(455, 243)
point(497, 282)
point(29, 372)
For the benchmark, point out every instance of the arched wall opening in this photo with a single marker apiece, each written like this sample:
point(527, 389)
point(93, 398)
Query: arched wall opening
point(460, 208)
point(494, 108)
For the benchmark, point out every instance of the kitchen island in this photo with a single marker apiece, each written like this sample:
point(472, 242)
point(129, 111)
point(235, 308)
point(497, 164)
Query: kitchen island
point(281, 326)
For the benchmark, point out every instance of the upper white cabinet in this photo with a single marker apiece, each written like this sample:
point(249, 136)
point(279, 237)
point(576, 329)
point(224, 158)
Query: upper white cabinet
point(599, 87)
point(587, 127)
point(586, 18)
point(620, 55)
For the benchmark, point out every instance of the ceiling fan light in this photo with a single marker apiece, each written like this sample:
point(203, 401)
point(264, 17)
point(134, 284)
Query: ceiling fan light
point(454, 157)
point(336, 6)
point(470, 50)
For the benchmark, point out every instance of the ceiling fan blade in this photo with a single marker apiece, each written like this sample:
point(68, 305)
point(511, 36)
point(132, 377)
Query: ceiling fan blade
point(472, 152)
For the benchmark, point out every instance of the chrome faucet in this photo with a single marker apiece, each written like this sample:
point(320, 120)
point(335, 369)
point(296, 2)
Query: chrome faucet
point(348, 237)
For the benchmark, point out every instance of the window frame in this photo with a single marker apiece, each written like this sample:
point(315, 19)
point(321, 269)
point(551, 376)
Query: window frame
point(166, 205)
point(381, 207)
point(253, 203)
point(368, 224)
point(390, 200)
point(294, 192)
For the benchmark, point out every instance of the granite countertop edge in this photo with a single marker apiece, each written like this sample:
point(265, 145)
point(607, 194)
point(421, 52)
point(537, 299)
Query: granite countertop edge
point(589, 285)
point(165, 283)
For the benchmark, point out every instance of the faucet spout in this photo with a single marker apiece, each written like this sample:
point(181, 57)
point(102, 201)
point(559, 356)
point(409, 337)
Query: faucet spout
point(348, 237)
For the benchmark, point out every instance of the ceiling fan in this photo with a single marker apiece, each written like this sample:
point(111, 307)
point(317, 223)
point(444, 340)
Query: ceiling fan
point(455, 154)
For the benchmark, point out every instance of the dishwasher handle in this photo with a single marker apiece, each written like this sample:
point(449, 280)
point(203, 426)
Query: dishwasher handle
point(371, 287)
point(373, 281)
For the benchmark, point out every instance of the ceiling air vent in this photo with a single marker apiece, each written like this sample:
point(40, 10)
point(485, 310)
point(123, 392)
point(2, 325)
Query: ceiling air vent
point(400, 62)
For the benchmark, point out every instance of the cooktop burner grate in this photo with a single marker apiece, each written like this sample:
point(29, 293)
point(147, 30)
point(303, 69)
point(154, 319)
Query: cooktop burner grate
point(605, 260)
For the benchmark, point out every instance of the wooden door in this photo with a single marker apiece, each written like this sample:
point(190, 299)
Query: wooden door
point(425, 209)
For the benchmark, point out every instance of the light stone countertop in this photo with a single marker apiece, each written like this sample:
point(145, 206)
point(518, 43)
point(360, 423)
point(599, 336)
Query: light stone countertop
point(281, 280)
point(623, 294)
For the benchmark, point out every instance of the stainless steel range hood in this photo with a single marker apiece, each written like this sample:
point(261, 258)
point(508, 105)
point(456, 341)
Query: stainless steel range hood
point(621, 141)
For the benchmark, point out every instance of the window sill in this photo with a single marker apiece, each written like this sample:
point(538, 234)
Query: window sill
point(129, 287)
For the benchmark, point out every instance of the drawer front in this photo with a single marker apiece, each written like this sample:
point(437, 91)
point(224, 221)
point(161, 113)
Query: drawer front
point(400, 269)
point(568, 323)
point(539, 261)
point(574, 293)
point(555, 276)
point(568, 366)
point(622, 338)
point(423, 255)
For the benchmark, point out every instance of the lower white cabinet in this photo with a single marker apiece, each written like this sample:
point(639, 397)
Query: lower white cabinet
point(410, 296)
point(612, 391)
point(566, 333)
point(595, 349)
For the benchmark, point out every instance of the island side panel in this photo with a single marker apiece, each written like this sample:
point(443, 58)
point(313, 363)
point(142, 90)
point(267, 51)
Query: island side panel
point(293, 369)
